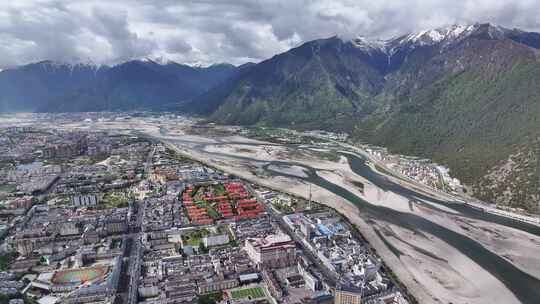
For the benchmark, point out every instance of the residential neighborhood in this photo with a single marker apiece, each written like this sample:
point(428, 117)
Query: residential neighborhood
point(102, 217)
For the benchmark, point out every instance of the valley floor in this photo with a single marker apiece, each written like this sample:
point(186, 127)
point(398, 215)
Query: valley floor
point(444, 252)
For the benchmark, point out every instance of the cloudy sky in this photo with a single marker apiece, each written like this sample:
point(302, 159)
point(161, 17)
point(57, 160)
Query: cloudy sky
point(212, 31)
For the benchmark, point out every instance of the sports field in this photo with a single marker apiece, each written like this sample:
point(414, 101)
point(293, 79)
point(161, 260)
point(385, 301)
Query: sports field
point(252, 293)
point(79, 276)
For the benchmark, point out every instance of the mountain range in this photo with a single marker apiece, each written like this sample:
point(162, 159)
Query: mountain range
point(467, 96)
point(49, 86)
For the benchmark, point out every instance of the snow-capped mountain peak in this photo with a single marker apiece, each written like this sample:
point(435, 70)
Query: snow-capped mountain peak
point(157, 60)
point(370, 45)
point(446, 34)
point(443, 36)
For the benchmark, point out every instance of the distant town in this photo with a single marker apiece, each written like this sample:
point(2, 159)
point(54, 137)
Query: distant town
point(93, 216)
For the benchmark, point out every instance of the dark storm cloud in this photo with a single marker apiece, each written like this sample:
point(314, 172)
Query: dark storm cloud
point(208, 31)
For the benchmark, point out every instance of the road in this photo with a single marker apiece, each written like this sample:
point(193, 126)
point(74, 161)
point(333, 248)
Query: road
point(135, 253)
point(328, 277)
point(134, 269)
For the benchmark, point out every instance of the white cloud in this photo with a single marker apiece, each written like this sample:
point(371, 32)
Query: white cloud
point(209, 31)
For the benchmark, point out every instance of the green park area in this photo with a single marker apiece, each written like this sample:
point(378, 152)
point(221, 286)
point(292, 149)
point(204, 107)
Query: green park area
point(211, 298)
point(6, 259)
point(195, 238)
point(248, 293)
point(213, 213)
point(8, 188)
point(114, 200)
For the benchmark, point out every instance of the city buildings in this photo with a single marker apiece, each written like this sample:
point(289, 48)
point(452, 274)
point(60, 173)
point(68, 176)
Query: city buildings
point(347, 295)
point(99, 217)
point(272, 251)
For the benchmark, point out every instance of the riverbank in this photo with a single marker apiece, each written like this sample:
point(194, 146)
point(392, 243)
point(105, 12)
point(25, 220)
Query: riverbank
point(376, 165)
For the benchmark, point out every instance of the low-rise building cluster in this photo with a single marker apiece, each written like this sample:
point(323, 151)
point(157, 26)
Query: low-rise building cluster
point(345, 256)
point(421, 170)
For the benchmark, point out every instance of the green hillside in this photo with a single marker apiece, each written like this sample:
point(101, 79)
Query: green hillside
point(313, 86)
point(473, 123)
